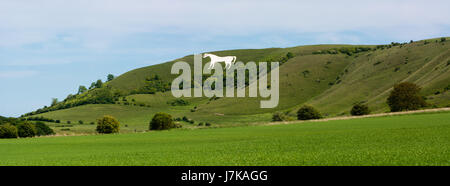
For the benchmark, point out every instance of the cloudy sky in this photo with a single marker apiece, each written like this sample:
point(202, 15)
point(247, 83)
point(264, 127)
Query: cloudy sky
point(50, 47)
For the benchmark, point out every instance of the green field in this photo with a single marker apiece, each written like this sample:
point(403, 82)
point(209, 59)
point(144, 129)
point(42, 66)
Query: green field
point(415, 139)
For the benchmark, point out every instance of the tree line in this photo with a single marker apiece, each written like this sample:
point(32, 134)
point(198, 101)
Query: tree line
point(404, 97)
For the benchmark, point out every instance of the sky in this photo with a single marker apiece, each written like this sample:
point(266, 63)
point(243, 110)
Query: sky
point(50, 47)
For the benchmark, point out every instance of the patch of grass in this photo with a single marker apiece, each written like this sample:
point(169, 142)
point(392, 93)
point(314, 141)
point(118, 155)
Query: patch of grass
point(418, 139)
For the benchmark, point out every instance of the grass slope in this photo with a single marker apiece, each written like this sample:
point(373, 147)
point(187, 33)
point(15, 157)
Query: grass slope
point(418, 139)
point(330, 82)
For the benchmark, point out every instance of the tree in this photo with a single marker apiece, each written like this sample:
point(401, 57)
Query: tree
point(82, 89)
point(405, 96)
point(110, 77)
point(108, 124)
point(42, 129)
point(279, 116)
point(98, 84)
point(54, 101)
point(26, 129)
point(308, 112)
point(8, 131)
point(92, 85)
point(161, 121)
point(289, 55)
point(359, 109)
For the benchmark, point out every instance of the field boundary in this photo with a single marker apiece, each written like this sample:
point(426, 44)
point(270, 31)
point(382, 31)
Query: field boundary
point(356, 117)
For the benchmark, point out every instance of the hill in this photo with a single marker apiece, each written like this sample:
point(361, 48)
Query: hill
point(330, 77)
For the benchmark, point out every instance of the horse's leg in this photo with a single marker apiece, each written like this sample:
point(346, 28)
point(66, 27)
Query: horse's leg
point(210, 65)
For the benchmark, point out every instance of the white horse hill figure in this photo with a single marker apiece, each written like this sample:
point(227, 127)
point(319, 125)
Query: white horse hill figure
point(228, 60)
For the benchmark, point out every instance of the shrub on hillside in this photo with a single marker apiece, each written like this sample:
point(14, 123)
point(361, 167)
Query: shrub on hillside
point(178, 102)
point(42, 129)
point(107, 125)
point(405, 96)
point(360, 109)
point(308, 112)
point(26, 130)
point(161, 121)
point(279, 116)
point(8, 131)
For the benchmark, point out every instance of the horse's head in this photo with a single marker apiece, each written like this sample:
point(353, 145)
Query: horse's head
point(205, 55)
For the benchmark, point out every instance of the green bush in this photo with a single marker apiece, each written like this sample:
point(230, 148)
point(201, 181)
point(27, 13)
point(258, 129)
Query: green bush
point(308, 112)
point(161, 121)
point(26, 130)
point(359, 109)
point(42, 129)
point(107, 125)
point(8, 131)
point(178, 102)
point(279, 116)
point(405, 96)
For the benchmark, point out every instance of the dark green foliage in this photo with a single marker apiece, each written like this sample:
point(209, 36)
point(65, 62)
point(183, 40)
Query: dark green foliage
point(345, 50)
point(98, 84)
point(308, 112)
point(305, 73)
point(405, 96)
point(178, 102)
point(185, 119)
point(26, 130)
point(359, 109)
point(443, 39)
point(8, 131)
point(107, 125)
point(80, 122)
point(290, 55)
point(110, 77)
point(41, 118)
point(42, 129)
point(161, 121)
point(279, 116)
point(82, 89)
point(152, 85)
point(208, 124)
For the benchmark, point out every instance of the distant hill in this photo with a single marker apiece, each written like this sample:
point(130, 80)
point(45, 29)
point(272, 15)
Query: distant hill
point(330, 77)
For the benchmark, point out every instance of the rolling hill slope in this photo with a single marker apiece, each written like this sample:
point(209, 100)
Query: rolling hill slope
point(328, 77)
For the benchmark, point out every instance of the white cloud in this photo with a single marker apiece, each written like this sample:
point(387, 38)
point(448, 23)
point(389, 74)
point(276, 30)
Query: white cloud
point(17, 74)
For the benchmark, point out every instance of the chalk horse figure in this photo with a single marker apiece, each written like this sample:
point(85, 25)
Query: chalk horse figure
point(228, 60)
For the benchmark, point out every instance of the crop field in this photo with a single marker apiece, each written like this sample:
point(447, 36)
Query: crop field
point(414, 139)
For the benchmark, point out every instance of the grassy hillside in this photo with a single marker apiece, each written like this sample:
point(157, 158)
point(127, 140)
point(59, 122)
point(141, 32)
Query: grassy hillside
point(325, 76)
point(418, 139)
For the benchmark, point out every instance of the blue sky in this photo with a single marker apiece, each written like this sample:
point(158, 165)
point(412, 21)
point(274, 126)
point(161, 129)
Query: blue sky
point(50, 47)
